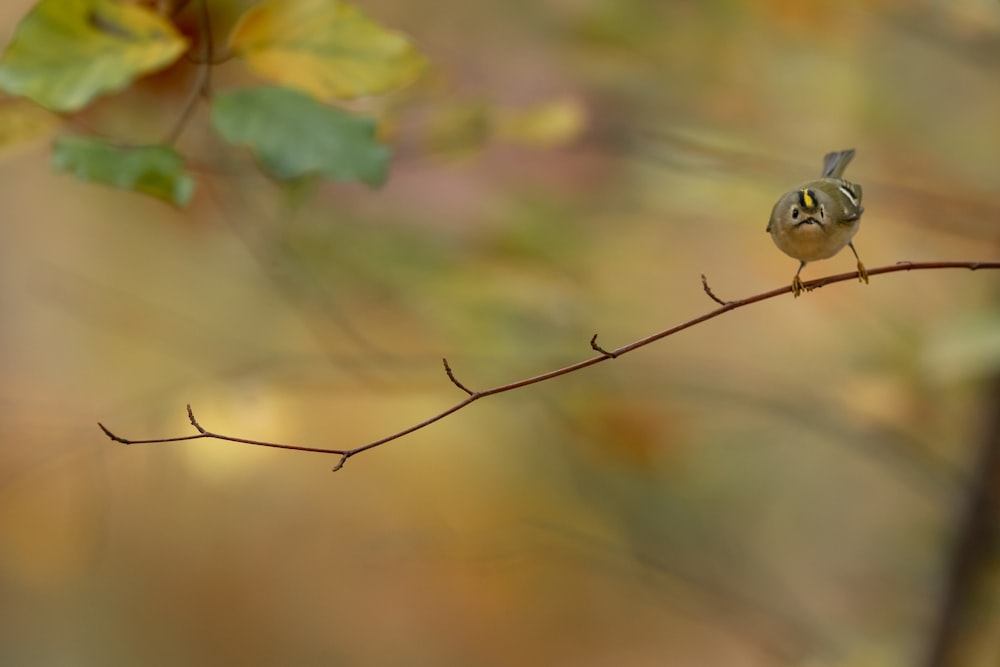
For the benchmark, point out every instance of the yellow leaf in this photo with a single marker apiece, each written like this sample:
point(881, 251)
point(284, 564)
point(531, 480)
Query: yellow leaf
point(66, 52)
point(549, 124)
point(326, 48)
point(460, 129)
point(21, 121)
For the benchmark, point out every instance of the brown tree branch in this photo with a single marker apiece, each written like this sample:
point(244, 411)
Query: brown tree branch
point(965, 580)
point(473, 396)
point(203, 74)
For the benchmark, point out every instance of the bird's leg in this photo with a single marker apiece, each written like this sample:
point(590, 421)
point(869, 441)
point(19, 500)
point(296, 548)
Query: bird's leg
point(797, 282)
point(862, 271)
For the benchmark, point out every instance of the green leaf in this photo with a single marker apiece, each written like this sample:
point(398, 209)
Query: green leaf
point(326, 48)
point(153, 170)
point(67, 52)
point(293, 135)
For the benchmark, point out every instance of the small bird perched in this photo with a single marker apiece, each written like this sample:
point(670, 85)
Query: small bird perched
point(816, 220)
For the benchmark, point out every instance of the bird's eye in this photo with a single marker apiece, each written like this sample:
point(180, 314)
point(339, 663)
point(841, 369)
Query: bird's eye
point(795, 214)
point(822, 212)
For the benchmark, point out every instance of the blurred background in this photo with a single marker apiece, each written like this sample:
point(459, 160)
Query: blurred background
point(779, 486)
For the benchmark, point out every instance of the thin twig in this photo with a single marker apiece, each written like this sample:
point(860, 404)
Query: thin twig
point(202, 77)
point(205, 433)
point(597, 348)
point(454, 380)
point(709, 292)
point(194, 422)
point(728, 306)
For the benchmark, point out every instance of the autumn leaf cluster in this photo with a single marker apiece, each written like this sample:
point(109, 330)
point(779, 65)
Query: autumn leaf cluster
point(311, 54)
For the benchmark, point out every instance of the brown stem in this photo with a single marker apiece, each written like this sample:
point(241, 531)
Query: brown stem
point(709, 292)
point(454, 380)
point(969, 557)
point(597, 348)
point(202, 78)
point(726, 307)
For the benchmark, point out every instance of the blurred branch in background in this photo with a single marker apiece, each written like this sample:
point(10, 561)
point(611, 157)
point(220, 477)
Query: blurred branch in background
point(971, 560)
point(473, 396)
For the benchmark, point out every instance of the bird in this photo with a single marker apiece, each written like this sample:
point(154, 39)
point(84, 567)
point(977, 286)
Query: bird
point(817, 219)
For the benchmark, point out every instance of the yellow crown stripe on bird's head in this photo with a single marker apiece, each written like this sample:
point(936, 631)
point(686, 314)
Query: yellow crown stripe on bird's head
point(807, 198)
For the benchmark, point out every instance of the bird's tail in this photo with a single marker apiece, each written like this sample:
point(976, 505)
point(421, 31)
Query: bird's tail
point(835, 163)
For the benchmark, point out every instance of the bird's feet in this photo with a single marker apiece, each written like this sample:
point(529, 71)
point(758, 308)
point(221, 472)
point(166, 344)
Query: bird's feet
point(862, 273)
point(797, 285)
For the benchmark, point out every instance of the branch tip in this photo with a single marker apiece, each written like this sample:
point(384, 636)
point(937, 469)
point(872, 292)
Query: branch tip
point(597, 348)
point(194, 422)
point(116, 438)
point(454, 380)
point(710, 293)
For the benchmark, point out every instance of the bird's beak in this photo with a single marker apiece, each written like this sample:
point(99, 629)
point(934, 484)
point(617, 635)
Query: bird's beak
point(809, 221)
